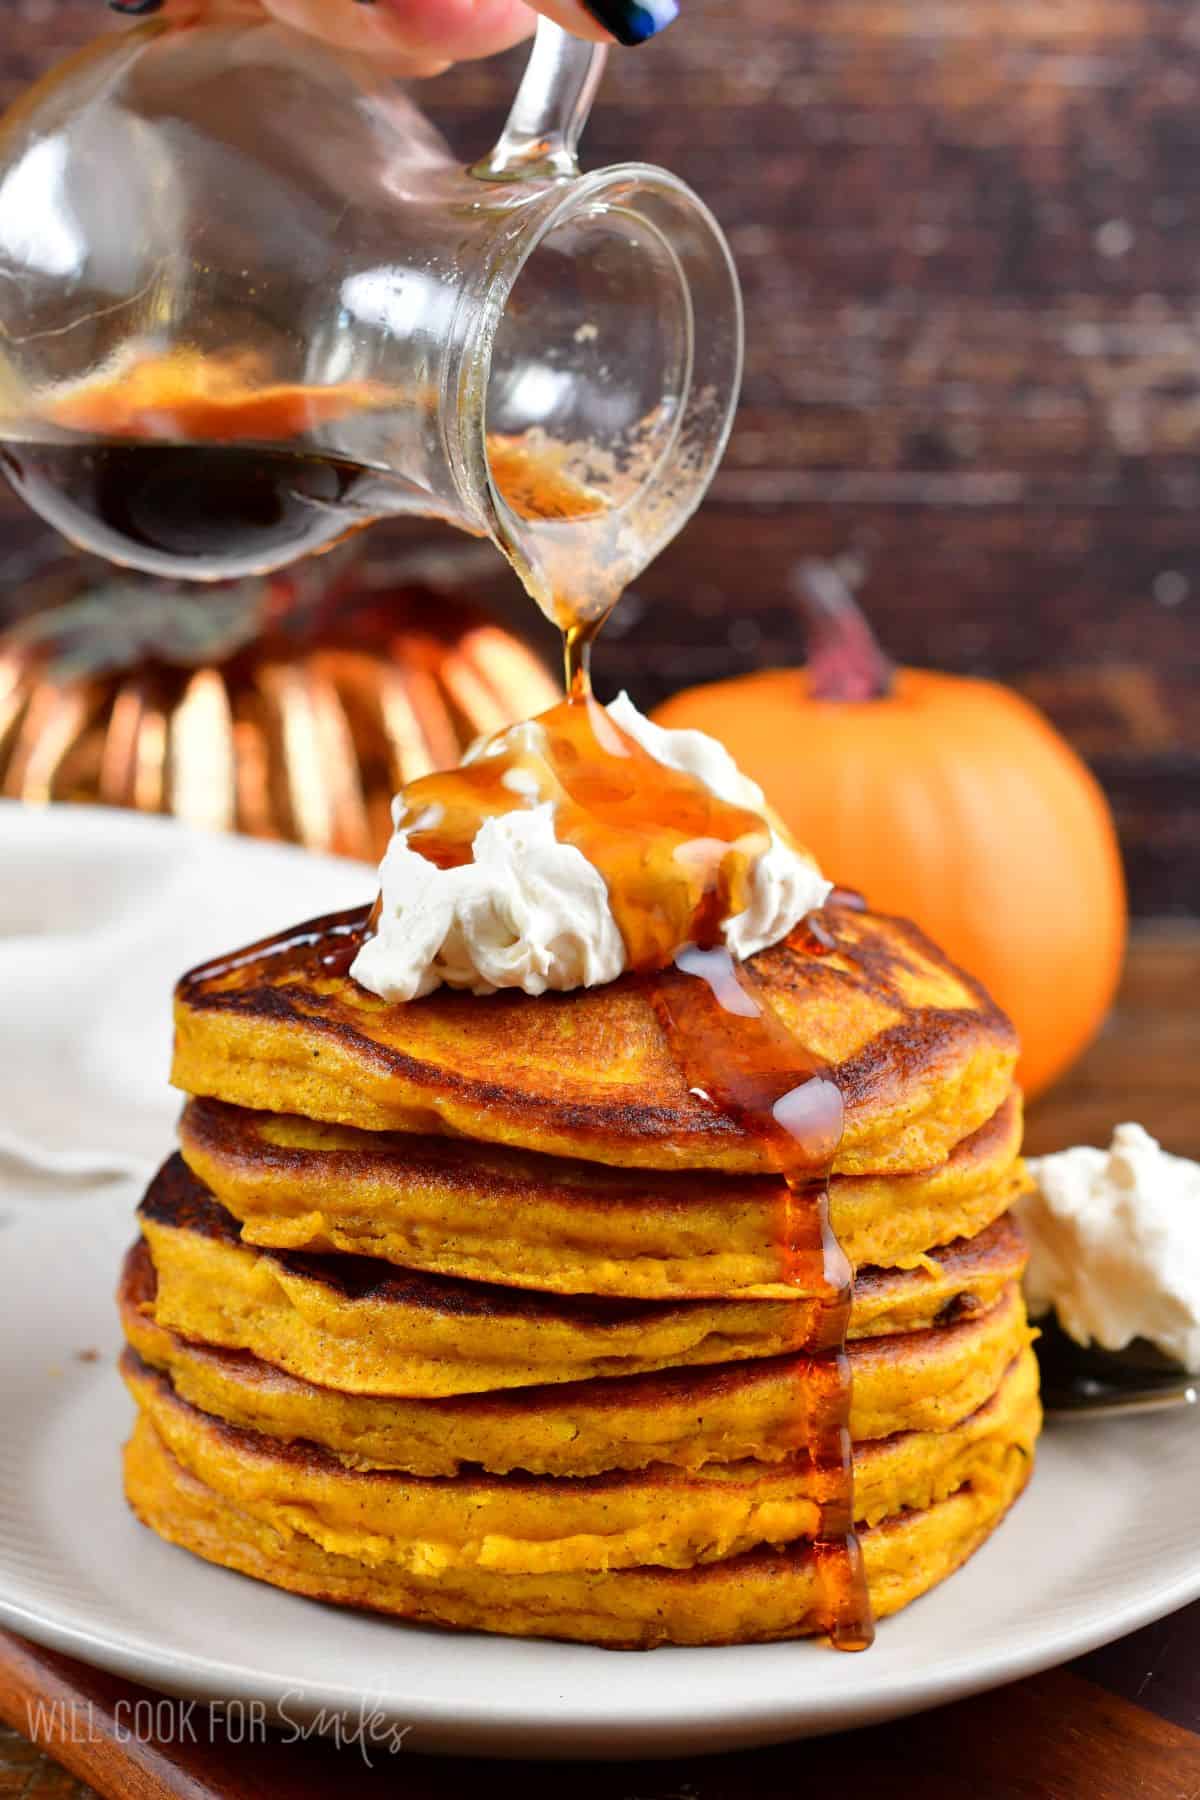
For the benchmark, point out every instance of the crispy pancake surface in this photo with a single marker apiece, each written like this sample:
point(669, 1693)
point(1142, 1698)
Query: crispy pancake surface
point(917, 1382)
point(526, 1525)
point(484, 1213)
point(366, 1327)
point(762, 1595)
point(922, 1056)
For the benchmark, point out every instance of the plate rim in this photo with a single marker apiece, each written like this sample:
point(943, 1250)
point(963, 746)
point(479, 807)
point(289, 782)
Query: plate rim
point(566, 1736)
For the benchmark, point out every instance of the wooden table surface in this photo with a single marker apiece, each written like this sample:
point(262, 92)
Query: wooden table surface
point(1120, 1723)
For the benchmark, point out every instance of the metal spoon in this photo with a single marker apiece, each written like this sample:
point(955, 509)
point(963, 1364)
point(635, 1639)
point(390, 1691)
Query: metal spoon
point(1083, 1381)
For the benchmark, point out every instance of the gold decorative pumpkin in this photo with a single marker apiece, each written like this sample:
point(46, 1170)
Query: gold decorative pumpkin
point(292, 708)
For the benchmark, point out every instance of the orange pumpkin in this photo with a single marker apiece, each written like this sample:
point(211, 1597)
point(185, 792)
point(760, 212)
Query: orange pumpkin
point(955, 803)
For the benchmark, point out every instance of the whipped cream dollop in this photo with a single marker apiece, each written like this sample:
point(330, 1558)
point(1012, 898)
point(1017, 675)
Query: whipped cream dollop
point(1115, 1244)
point(532, 913)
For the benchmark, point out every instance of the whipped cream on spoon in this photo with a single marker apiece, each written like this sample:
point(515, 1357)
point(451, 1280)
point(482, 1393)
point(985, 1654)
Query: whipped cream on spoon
point(1114, 1276)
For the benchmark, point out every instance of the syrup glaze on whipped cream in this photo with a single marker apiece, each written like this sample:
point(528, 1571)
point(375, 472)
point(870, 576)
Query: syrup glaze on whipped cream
point(573, 848)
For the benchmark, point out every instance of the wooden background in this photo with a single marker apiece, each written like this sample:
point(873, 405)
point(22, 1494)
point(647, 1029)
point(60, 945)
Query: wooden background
point(970, 240)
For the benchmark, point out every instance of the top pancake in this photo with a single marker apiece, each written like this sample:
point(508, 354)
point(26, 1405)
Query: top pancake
point(921, 1054)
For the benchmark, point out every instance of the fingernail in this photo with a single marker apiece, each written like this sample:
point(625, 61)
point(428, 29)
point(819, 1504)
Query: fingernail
point(134, 7)
point(633, 21)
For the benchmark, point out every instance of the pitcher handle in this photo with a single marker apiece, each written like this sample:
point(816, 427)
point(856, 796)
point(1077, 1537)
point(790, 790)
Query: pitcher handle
point(541, 136)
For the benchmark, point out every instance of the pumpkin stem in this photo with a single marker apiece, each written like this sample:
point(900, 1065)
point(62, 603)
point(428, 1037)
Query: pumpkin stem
point(844, 658)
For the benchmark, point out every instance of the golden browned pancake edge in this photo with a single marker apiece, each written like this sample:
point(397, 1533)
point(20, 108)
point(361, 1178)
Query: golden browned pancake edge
point(662, 1515)
point(922, 1056)
point(917, 1381)
point(364, 1326)
point(759, 1597)
point(488, 1213)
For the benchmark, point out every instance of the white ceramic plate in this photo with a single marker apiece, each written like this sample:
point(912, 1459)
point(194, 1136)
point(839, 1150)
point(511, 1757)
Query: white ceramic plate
point(1104, 1541)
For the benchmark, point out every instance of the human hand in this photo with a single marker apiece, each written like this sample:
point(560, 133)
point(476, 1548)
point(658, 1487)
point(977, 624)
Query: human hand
point(422, 37)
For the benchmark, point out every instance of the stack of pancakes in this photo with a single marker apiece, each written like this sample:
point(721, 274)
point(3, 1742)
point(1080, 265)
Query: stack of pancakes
point(473, 1312)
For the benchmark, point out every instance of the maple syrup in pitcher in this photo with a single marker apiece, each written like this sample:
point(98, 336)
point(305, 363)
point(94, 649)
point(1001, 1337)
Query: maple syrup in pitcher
point(182, 466)
point(209, 513)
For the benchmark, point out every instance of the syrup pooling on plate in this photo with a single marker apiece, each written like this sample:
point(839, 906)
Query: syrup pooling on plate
point(734, 1053)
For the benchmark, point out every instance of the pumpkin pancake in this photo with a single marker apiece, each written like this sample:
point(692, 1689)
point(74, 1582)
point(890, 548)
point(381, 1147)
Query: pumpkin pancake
point(367, 1327)
point(922, 1057)
point(762, 1595)
point(529, 1525)
point(917, 1381)
point(485, 1213)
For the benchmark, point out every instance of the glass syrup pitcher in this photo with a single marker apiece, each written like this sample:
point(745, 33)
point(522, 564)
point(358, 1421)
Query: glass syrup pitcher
point(249, 301)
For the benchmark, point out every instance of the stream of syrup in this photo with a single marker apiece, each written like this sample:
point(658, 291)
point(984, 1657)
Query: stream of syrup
point(676, 860)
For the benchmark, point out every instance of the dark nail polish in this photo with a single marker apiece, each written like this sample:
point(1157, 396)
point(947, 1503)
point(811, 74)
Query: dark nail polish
point(633, 21)
point(134, 8)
